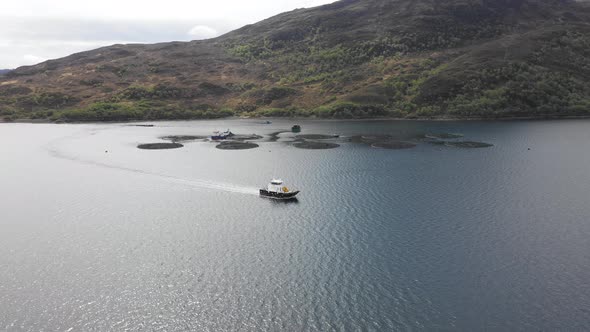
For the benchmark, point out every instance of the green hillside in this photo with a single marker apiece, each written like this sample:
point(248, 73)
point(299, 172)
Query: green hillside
point(349, 59)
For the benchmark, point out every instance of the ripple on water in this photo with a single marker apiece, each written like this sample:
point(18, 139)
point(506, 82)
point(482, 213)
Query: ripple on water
point(443, 135)
point(393, 145)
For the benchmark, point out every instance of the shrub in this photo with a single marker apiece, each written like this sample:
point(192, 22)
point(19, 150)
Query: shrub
point(347, 110)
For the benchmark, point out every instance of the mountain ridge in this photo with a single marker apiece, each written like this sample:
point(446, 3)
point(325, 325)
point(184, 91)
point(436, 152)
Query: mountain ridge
point(348, 59)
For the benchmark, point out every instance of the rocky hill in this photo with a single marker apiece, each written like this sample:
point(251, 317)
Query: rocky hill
point(349, 59)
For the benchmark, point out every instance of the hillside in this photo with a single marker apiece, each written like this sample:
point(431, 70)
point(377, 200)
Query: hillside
point(4, 71)
point(349, 59)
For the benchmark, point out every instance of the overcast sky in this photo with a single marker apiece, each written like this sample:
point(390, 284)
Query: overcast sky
point(32, 31)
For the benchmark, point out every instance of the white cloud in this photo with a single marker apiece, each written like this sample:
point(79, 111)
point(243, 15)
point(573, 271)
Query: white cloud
point(202, 32)
point(31, 59)
point(250, 11)
point(32, 30)
point(25, 52)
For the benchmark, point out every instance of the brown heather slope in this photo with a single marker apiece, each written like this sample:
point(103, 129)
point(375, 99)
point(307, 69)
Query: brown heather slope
point(352, 58)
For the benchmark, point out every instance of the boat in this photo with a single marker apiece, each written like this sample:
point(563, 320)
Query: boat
point(221, 136)
point(277, 190)
point(296, 128)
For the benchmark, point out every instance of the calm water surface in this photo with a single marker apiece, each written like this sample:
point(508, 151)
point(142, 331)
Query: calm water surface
point(430, 238)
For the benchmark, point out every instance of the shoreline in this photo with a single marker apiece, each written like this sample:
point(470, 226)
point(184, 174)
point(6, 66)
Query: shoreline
point(434, 119)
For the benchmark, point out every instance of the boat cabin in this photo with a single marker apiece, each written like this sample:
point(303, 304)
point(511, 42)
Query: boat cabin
point(276, 186)
point(277, 190)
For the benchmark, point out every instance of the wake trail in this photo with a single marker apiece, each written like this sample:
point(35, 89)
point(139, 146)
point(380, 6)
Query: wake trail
point(196, 183)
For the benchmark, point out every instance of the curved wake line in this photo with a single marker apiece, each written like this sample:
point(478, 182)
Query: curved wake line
point(196, 183)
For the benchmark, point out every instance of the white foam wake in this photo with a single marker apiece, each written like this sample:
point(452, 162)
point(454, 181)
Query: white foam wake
point(195, 183)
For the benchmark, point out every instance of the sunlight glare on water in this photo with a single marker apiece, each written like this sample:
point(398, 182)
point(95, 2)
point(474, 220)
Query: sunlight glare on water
point(99, 235)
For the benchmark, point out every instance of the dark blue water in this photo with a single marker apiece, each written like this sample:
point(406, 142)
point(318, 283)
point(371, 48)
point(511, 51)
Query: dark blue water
point(430, 238)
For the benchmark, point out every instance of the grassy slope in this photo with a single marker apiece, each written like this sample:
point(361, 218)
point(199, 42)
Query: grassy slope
point(427, 58)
